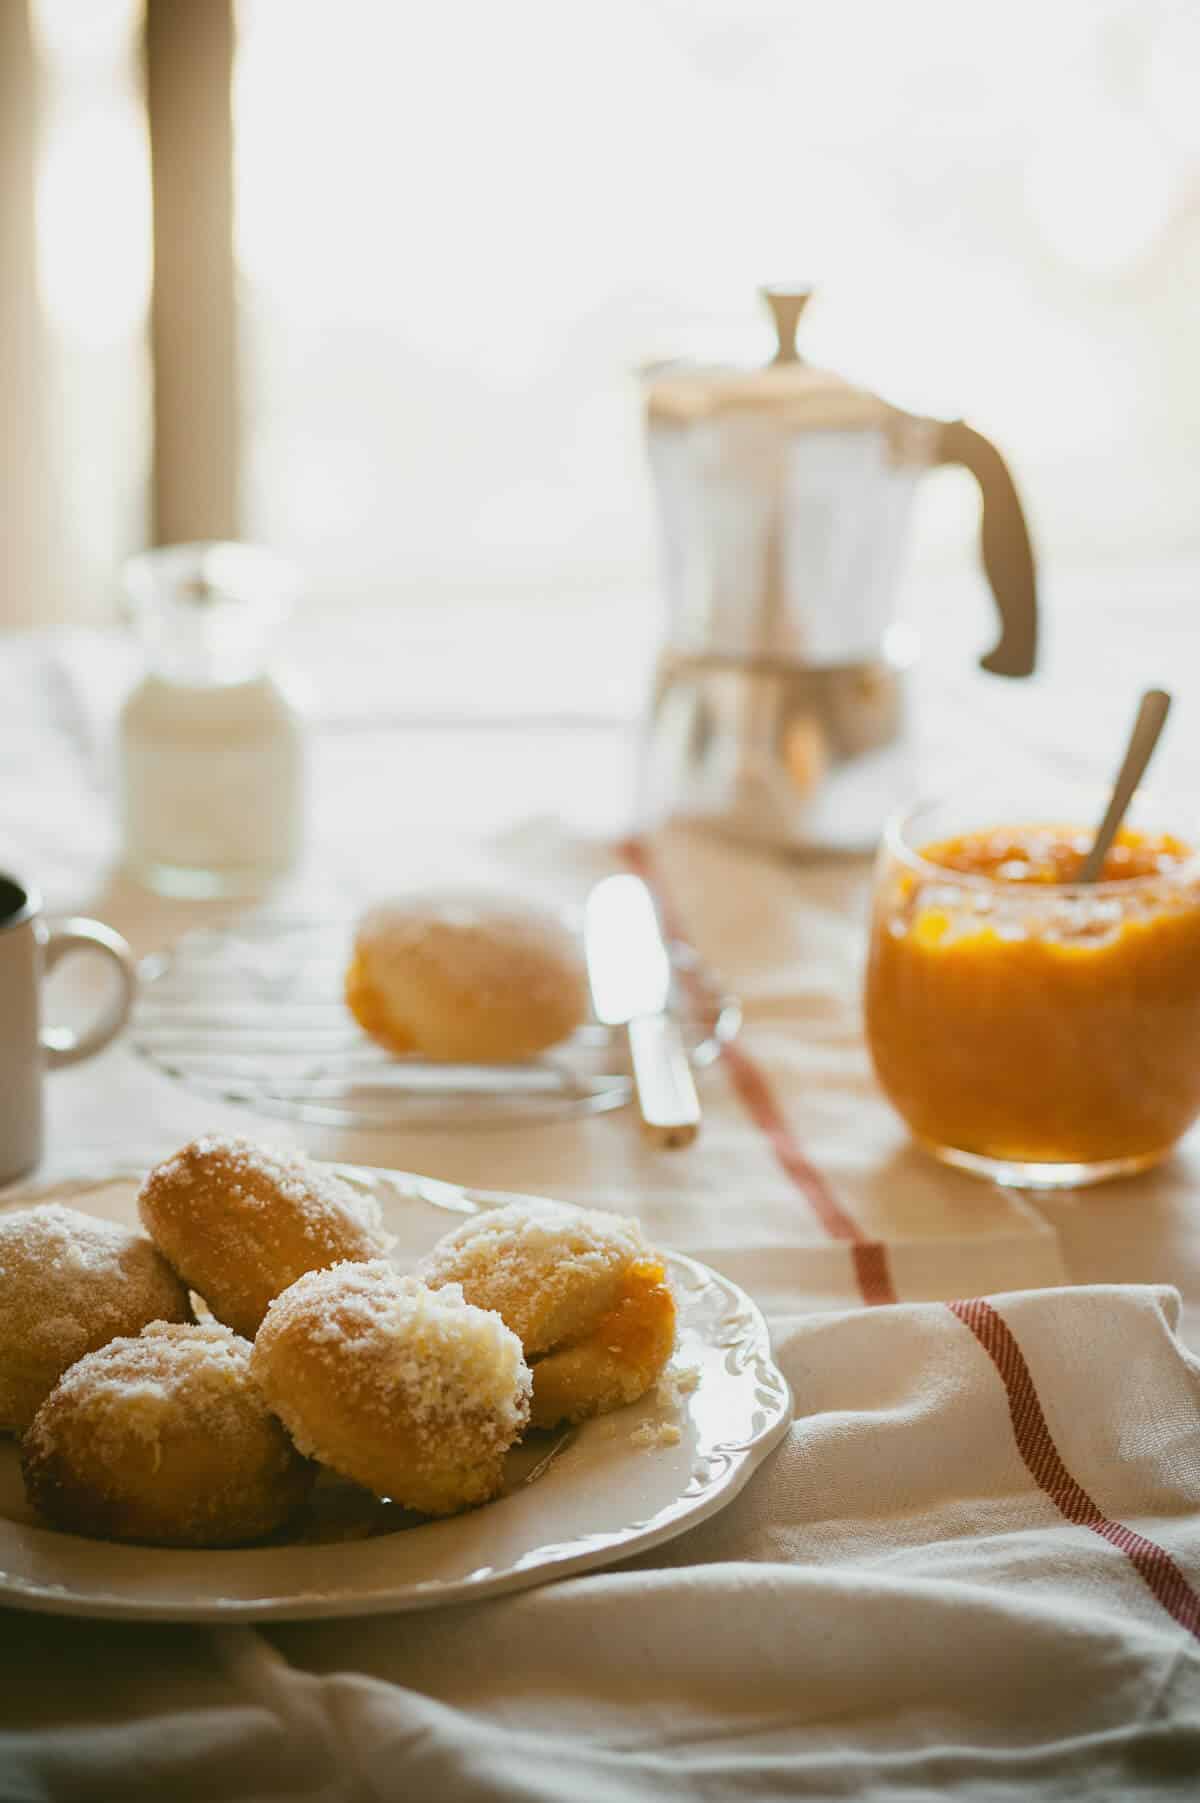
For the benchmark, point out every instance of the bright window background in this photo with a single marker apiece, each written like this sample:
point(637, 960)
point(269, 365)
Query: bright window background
point(462, 227)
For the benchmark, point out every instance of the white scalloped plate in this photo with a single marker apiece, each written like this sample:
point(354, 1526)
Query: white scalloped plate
point(573, 1502)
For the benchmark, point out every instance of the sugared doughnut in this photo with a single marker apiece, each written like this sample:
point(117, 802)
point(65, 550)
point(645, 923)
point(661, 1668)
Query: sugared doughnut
point(240, 1222)
point(416, 1396)
point(466, 977)
point(70, 1283)
point(581, 1289)
point(167, 1439)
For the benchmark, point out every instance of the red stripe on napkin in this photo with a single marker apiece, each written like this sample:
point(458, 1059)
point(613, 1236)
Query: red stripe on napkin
point(753, 1089)
point(1153, 1564)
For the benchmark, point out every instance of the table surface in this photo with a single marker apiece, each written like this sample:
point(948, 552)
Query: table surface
point(412, 779)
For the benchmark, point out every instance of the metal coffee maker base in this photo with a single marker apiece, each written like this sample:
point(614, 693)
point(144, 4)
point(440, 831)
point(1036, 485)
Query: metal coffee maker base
point(793, 757)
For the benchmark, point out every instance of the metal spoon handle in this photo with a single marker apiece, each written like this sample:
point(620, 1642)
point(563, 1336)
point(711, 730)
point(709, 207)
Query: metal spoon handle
point(1151, 717)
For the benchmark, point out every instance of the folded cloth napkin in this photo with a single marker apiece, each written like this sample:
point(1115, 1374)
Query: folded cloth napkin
point(973, 1565)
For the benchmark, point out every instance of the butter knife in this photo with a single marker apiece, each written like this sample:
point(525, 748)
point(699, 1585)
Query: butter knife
point(630, 977)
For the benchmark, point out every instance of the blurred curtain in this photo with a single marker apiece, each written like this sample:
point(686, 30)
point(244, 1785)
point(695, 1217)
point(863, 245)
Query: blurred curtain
point(189, 69)
point(75, 265)
point(31, 580)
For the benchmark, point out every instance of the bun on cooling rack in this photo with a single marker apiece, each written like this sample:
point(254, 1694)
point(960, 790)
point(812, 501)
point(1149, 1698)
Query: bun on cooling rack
point(466, 977)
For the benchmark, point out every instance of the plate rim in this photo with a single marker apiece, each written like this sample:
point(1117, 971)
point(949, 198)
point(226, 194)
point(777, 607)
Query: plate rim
point(683, 1512)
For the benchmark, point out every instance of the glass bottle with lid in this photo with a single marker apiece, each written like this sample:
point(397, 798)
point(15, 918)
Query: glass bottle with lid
point(211, 754)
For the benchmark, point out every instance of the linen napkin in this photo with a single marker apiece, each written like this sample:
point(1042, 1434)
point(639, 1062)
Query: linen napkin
point(974, 1564)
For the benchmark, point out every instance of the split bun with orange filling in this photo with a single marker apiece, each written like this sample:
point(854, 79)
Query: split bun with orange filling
point(586, 1296)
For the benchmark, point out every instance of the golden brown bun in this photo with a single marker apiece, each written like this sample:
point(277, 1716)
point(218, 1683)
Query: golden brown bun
point(583, 1292)
point(68, 1284)
point(466, 978)
point(240, 1222)
point(414, 1395)
point(164, 1439)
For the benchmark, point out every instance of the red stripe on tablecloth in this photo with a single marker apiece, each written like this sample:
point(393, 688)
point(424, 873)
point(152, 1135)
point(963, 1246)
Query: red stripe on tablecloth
point(874, 1272)
point(753, 1089)
point(1153, 1564)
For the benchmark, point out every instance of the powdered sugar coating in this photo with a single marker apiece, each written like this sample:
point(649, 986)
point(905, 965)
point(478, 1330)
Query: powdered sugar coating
point(69, 1282)
point(132, 1383)
point(676, 1382)
point(466, 975)
point(550, 1269)
point(656, 1433)
point(240, 1222)
point(164, 1438)
point(415, 1394)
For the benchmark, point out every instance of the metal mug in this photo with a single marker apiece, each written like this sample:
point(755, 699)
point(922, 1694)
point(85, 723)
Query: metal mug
point(29, 949)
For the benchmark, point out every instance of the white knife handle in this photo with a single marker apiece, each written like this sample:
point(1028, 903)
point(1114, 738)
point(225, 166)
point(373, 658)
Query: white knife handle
point(667, 1096)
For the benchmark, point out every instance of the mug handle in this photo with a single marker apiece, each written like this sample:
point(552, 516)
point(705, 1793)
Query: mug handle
point(60, 1044)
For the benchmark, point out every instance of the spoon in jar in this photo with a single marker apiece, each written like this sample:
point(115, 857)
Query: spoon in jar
point(1151, 717)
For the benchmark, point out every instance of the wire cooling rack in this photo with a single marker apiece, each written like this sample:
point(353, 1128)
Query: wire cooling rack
point(254, 1014)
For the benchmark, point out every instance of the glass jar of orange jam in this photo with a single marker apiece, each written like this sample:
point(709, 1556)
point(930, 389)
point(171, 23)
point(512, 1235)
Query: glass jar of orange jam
point(1038, 1031)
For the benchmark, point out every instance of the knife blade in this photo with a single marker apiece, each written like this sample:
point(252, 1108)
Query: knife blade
point(630, 976)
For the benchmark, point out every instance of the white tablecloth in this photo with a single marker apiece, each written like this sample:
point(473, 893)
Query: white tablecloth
point(974, 1563)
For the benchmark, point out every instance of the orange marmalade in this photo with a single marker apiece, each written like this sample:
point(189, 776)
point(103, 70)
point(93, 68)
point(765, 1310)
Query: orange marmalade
point(1013, 1018)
